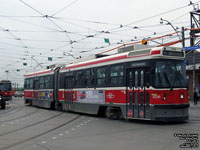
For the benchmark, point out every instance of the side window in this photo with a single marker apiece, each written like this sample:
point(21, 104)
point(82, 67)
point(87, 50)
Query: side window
point(41, 82)
point(102, 74)
point(31, 83)
point(116, 75)
point(89, 77)
point(47, 82)
point(79, 78)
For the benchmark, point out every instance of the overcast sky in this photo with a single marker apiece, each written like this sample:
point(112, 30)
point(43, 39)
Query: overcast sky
point(33, 30)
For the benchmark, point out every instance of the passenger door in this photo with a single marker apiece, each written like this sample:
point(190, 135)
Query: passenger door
point(68, 99)
point(35, 90)
point(136, 89)
point(56, 86)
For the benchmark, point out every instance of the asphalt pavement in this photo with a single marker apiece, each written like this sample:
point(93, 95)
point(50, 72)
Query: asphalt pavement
point(71, 131)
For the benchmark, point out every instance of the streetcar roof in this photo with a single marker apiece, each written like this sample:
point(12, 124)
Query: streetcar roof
point(148, 53)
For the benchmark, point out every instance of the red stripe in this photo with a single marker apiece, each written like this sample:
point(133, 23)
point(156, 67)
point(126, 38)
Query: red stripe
point(97, 62)
point(104, 61)
point(34, 74)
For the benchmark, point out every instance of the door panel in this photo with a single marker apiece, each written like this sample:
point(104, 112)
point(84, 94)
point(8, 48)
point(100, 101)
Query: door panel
point(35, 91)
point(136, 92)
point(68, 100)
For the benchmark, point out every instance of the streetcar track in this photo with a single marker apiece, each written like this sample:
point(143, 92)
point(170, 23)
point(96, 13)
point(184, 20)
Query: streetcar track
point(12, 109)
point(31, 113)
point(31, 125)
point(36, 136)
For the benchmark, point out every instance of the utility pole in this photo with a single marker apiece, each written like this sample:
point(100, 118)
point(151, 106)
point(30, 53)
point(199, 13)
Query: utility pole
point(194, 23)
point(183, 36)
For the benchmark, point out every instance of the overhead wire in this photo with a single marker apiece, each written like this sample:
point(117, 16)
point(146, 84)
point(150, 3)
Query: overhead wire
point(77, 41)
point(159, 14)
point(64, 8)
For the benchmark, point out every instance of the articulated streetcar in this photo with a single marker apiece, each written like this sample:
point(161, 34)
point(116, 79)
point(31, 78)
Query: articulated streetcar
point(137, 84)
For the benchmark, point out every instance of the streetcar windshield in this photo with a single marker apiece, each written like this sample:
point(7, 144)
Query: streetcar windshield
point(5, 86)
point(170, 73)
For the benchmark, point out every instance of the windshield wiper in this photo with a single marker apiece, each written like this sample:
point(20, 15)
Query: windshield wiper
point(167, 80)
point(159, 78)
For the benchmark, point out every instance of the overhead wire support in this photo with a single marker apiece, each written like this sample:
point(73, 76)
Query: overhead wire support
point(36, 61)
point(64, 8)
point(147, 18)
point(31, 7)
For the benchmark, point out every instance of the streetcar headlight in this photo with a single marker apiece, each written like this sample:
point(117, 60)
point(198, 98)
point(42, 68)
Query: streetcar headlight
point(0, 97)
point(164, 97)
point(181, 96)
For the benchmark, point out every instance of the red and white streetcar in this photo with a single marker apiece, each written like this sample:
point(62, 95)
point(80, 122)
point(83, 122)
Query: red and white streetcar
point(6, 89)
point(147, 84)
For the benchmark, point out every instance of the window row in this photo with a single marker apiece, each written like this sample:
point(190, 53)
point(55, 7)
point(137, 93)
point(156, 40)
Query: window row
point(43, 82)
point(100, 77)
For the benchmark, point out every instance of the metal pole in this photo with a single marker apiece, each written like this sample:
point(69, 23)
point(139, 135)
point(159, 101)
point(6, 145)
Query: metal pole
point(183, 37)
point(193, 83)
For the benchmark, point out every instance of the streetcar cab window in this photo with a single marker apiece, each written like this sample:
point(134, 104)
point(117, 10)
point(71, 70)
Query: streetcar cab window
point(5, 86)
point(170, 74)
point(116, 75)
point(101, 76)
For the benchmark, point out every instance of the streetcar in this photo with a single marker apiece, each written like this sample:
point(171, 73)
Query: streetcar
point(148, 83)
point(6, 89)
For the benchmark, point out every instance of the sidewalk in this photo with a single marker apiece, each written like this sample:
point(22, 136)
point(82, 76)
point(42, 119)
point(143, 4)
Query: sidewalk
point(192, 104)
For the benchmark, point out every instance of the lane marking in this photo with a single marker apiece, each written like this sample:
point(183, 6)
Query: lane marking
point(43, 142)
point(54, 138)
point(61, 134)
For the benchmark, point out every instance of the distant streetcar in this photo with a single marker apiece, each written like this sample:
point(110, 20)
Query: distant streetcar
point(6, 89)
point(137, 84)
